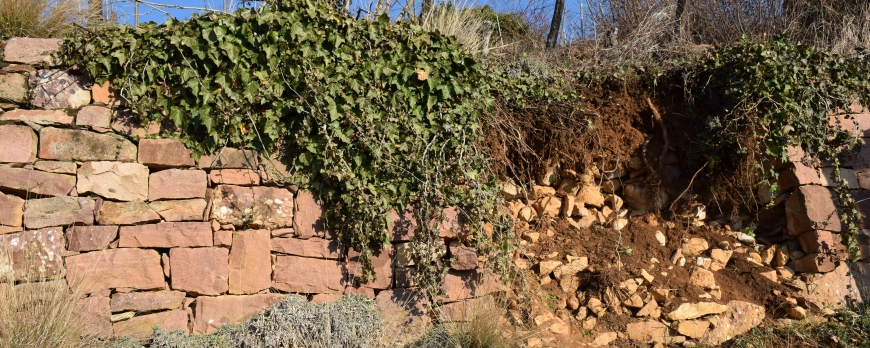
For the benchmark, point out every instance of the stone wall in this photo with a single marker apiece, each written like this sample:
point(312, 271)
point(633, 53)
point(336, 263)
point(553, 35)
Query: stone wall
point(149, 236)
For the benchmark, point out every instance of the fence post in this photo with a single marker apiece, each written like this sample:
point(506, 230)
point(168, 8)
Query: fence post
point(135, 13)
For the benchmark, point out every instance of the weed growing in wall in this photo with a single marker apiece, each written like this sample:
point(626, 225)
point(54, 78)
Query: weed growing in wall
point(374, 115)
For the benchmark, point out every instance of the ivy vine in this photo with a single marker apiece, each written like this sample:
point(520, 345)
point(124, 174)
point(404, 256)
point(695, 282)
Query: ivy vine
point(784, 95)
point(373, 115)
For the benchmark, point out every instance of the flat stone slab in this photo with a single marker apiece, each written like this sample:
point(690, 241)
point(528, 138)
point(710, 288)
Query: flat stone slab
point(95, 117)
point(13, 88)
point(28, 181)
point(31, 51)
point(81, 145)
point(37, 117)
point(143, 326)
point(146, 301)
point(240, 177)
point(230, 158)
point(166, 235)
point(136, 269)
point(59, 167)
point(812, 208)
point(313, 247)
point(180, 210)
point(126, 213)
point(58, 211)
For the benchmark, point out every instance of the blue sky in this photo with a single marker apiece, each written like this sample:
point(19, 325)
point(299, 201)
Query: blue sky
point(125, 7)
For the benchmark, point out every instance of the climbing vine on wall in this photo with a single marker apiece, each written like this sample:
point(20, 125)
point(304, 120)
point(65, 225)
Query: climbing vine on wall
point(375, 115)
point(782, 95)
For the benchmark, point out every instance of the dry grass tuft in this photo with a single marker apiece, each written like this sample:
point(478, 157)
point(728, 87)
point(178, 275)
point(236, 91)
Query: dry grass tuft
point(42, 18)
point(475, 323)
point(40, 314)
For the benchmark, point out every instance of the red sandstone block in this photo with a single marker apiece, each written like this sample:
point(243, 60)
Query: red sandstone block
point(214, 312)
point(177, 184)
point(819, 241)
point(18, 144)
point(166, 235)
point(81, 145)
point(404, 227)
point(814, 263)
point(199, 271)
point(143, 326)
point(34, 254)
point(115, 268)
point(241, 177)
point(382, 262)
point(27, 181)
point(95, 312)
point(812, 208)
point(149, 301)
point(314, 247)
point(164, 153)
point(180, 210)
point(94, 117)
point(31, 51)
point(460, 285)
point(90, 238)
point(308, 276)
point(797, 174)
point(308, 221)
point(126, 213)
point(11, 210)
point(250, 263)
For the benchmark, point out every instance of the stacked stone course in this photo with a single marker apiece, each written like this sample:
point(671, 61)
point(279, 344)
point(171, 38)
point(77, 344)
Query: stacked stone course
point(148, 235)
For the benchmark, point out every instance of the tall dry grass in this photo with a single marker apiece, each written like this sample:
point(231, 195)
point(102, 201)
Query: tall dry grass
point(455, 18)
point(42, 18)
point(42, 313)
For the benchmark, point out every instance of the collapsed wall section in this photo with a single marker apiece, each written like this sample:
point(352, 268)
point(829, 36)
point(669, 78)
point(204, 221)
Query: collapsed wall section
point(147, 235)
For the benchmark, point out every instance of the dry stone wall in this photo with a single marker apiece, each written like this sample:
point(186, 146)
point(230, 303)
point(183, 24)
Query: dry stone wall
point(149, 236)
